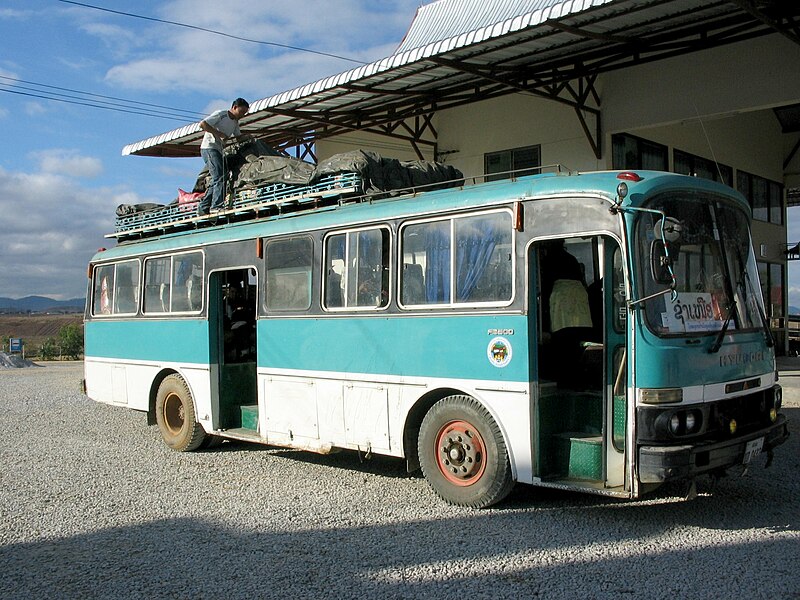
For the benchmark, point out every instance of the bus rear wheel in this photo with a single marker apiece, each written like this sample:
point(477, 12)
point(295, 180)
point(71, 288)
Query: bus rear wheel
point(462, 453)
point(176, 416)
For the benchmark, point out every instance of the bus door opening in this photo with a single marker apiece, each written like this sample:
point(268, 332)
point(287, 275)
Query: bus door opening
point(233, 319)
point(579, 361)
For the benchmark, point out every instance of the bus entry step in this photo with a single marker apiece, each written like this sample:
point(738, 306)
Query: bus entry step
point(250, 416)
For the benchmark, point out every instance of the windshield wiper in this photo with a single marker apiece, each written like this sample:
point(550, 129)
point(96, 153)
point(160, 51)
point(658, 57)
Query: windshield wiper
point(743, 275)
point(729, 313)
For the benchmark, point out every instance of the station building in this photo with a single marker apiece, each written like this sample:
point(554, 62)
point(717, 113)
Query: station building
point(501, 88)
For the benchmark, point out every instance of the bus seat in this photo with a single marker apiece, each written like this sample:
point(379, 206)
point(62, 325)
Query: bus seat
point(569, 305)
point(413, 284)
point(163, 295)
point(126, 299)
point(194, 291)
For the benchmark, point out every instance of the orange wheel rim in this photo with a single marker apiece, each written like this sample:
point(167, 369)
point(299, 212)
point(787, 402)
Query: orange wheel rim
point(460, 453)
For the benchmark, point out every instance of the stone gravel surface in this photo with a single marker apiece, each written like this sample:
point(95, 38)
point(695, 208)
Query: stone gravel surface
point(94, 505)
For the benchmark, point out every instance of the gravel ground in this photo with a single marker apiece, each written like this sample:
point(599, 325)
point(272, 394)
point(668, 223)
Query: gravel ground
point(92, 504)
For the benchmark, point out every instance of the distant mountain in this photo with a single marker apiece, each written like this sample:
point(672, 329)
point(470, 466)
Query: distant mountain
point(41, 304)
point(793, 310)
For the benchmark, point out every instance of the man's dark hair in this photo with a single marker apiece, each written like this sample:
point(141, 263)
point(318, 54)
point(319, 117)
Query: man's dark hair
point(241, 102)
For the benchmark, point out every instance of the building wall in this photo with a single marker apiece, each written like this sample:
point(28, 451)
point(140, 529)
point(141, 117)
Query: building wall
point(727, 80)
point(716, 104)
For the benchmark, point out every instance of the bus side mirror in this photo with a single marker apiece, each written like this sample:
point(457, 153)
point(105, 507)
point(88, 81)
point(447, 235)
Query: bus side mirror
point(662, 258)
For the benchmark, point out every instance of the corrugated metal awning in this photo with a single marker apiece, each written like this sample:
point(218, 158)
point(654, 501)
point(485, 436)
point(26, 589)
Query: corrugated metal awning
point(462, 51)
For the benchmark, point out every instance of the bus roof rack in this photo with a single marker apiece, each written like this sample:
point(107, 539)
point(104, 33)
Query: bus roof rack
point(277, 199)
point(269, 200)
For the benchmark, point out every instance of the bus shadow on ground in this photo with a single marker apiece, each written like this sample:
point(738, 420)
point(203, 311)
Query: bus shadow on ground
point(350, 460)
point(585, 551)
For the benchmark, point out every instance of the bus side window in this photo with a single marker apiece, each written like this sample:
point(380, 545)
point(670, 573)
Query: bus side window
point(357, 269)
point(157, 285)
point(103, 290)
point(288, 273)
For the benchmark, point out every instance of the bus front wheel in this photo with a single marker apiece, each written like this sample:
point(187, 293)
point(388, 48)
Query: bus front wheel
point(176, 417)
point(462, 453)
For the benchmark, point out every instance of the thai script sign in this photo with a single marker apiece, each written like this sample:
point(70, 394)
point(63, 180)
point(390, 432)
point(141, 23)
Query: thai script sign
point(697, 311)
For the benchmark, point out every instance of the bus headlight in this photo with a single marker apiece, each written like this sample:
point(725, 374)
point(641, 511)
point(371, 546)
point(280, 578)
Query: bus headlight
point(692, 422)
point(674, 424)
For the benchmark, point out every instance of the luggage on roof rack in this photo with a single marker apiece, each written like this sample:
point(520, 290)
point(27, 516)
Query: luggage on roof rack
point(266, 184)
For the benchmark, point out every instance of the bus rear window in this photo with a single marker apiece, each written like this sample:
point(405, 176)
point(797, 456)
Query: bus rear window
point(116, 289)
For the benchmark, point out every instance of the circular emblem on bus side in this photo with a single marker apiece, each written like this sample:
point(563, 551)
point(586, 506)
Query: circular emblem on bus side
point(499, 352)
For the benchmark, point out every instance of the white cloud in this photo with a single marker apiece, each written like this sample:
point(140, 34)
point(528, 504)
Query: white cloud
point(10, 13)
point(68, 163)
point(192, 60)
point(34, 108)
point(51, 227)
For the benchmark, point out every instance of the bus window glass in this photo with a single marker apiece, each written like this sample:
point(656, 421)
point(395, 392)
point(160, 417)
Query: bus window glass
point(103, 293)
point(473, 254)
point(357, 269)
point(288, 267)
point(426, 246)
point(126, 287)
point(187, 282)
point(483, 258)
point(335, 260)
point(157, 285)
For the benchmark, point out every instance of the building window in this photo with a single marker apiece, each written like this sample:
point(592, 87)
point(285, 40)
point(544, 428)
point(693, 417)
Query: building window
point(772, 285)
point(512, 163)
point(696, 166)
point(765, 197)
point(630, 152)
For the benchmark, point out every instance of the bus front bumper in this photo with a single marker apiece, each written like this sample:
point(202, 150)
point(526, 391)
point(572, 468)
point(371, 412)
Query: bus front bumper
point(658, 464)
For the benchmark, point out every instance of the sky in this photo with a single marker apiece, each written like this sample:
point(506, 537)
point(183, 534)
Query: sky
point(62, 173)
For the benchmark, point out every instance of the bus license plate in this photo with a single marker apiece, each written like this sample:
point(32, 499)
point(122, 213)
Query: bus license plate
point(753, 449)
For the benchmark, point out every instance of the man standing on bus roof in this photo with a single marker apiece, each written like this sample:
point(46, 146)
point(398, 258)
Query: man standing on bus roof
point(218, 126)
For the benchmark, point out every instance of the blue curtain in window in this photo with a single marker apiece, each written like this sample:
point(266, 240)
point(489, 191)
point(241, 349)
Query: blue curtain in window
point(476, 241)
point(437, 265)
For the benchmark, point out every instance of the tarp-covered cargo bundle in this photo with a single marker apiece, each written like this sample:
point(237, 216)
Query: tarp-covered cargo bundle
point(259, 178)
point(382, 174)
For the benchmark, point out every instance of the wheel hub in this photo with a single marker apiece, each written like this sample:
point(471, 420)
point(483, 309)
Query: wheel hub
point(174, 413)
point(460, 453)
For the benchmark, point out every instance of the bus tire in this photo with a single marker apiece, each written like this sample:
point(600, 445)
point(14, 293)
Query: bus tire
point(462, 453)
point(175, 415)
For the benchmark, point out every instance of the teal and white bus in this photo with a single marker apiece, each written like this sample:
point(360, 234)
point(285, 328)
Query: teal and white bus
point(602, 332)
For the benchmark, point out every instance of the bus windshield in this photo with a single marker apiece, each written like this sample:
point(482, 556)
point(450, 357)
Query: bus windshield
point(707, 243)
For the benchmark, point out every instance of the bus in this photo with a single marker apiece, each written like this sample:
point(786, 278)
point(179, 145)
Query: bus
point(602, 332)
